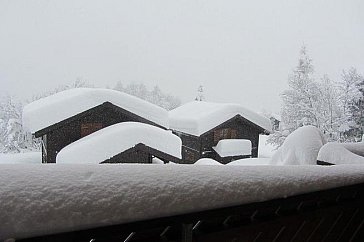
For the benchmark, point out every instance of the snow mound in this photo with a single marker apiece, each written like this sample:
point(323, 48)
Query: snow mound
point(265, 150)
point(339, 154)
point(301, 147)
point(112, 140)
point(207, 161)
point(60, 106)
point(251, 162)
point(158, 161)
point(197, 118)
point(233, 147)
point(357, 148)
point(21, 158)
point(42, 199)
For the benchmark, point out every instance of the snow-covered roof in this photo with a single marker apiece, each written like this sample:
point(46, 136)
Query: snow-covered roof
point(112, 140)
point(339, 154)
point(198, 117)
point(50, 110)
point(74, 197)
point(233, 147)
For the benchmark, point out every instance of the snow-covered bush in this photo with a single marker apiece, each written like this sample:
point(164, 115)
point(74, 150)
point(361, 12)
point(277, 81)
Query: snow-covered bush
point(300, 148)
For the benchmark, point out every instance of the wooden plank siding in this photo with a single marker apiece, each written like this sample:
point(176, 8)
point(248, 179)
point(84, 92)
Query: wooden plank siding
point(66, 132)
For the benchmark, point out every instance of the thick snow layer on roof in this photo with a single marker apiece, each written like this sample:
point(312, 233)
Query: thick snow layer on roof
point(198, 117)
point(233, 147)
point(207, 161)
point(21, 158)
point(251, 162)
point(72, 197)
point(60, 106)
point(301, 147)
point(112, 140)
point(339, 154)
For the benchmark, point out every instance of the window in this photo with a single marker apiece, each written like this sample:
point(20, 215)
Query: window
point(89, 128)
point(225, 134)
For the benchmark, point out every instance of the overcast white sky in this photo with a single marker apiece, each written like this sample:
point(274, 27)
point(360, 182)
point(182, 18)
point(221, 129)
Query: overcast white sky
point(240, 51)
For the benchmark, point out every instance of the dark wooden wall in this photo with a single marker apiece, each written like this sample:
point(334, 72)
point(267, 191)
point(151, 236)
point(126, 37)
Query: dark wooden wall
point(68, 131)
point(132, 155)
point(141, 153)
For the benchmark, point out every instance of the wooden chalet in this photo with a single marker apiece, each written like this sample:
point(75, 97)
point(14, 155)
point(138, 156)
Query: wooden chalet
point(201, 125)
point(72, 123)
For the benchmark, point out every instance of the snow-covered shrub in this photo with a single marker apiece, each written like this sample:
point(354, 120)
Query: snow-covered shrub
point(301, 147)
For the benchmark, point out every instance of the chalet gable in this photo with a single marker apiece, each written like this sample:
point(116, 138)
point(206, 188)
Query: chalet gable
point(104, 112)
point(61, 106)
point(198, 118)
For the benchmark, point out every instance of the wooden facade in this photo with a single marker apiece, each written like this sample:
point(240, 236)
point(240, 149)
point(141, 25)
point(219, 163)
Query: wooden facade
point(196, 147)
point(61, 134)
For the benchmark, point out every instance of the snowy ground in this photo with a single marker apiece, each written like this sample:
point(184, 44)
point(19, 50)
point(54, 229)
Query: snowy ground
point(21, 158)
point(41, 199)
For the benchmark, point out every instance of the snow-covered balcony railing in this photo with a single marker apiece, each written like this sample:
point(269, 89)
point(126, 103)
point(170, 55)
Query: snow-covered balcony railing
point(181, 202)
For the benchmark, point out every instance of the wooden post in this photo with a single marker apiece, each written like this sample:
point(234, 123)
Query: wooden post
point(186, 232)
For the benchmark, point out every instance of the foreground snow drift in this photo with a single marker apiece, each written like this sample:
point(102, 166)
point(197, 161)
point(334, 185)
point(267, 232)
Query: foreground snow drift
point(110, 141)
point(60, 106)
point(339, 154)
point(301, 147)
point(41, 199)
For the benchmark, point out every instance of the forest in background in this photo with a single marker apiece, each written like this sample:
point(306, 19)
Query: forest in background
point(336, 107)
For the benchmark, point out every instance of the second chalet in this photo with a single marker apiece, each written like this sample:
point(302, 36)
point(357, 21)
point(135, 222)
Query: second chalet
point(204, 127)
